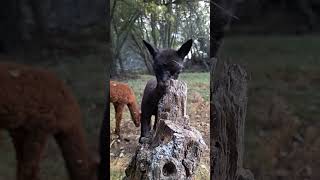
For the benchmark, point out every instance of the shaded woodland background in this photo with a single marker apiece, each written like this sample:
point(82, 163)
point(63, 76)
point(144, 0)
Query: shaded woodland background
point(165, 24)
point(69, 38)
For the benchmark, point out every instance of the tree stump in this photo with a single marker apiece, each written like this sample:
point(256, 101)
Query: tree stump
point(174, 149)
point(227, 123)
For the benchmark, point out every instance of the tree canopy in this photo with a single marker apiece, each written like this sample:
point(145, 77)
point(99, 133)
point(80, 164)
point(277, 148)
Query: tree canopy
point(163, 23)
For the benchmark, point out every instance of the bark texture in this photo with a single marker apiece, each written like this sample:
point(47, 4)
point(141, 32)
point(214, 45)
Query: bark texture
point(227, 124)
point(174, 149)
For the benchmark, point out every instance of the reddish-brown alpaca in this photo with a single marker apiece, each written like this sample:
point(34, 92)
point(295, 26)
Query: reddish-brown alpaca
point(34, 104)
point(120, 95)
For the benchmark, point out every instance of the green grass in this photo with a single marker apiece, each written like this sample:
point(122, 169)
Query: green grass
point(116, 174)
point(197, 82)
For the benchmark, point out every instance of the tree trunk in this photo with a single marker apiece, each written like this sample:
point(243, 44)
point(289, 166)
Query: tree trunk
point(221, 14)
point(227, 123)
point(175, 148)
point(228, 103)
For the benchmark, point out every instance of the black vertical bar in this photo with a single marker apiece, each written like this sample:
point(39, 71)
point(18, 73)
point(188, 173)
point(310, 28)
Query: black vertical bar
point(104, 168)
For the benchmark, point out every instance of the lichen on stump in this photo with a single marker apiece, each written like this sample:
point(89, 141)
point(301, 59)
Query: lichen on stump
point(174, 149)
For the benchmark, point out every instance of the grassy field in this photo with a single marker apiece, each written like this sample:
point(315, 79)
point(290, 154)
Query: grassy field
point(198, 94)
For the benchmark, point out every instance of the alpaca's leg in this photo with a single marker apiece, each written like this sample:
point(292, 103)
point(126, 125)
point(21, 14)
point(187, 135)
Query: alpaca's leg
point(145, 125)
point(119, 109)
point(115, 105)
point(29, 146)
point(134, 112)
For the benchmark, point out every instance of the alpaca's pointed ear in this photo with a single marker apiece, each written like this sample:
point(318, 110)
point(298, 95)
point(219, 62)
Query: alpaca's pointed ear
point(184, 49)
point(153, 51)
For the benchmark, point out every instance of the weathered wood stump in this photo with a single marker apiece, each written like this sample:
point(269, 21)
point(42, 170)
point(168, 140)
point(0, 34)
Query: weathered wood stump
point(174, 148)
point(228, 102)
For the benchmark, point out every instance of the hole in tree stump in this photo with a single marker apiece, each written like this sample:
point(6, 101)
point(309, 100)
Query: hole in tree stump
point(169, 169)
point(162, 138)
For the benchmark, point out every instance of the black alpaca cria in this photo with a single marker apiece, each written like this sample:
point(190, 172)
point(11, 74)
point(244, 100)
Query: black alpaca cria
point(167, 64)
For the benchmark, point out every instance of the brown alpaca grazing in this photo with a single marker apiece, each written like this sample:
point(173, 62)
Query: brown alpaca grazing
point(120, 95)
point(35, 104)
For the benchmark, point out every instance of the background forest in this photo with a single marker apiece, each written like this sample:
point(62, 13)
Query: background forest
point(165, 24)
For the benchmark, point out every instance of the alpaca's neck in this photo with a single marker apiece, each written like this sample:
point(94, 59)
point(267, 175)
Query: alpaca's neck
point(159, 91)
